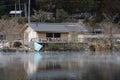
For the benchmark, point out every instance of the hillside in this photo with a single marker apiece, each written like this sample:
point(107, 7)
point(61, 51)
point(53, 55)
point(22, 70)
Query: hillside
point(71, 6)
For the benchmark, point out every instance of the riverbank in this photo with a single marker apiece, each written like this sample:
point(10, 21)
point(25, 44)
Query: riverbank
point(80, 47)
point(14, 50)
point(72, 47)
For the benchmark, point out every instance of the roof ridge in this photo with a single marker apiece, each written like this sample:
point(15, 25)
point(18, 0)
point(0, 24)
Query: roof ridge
point(50, 23)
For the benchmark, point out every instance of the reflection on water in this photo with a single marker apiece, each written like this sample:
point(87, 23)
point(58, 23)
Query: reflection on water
point(59, 66)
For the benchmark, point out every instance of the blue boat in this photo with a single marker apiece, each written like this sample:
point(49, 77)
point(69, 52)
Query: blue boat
point(37, 47)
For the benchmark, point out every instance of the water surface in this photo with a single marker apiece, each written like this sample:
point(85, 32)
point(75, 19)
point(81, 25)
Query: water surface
point(60, 66)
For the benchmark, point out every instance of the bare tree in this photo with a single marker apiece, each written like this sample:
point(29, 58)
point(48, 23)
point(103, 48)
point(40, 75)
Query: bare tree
point(40, 16)
point(110, 20)
point(10, 28)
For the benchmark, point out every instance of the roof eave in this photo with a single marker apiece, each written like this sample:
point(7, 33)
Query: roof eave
point(54, 31)
point(24, 28)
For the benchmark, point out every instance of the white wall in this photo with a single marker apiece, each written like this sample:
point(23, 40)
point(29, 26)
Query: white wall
point(81, 38)
point(31, 34)
point(77, 37)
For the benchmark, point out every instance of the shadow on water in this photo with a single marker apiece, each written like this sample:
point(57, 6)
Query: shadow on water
point(103, 72)
point(59, 66)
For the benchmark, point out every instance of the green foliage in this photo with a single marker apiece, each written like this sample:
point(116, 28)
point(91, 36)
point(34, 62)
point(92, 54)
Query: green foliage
point(54, 47)
point(2, 8)
point(5, 17)
point(92, 4)
point(66, 47)
point(74, 47)
point(70, 6)
point(61, 15)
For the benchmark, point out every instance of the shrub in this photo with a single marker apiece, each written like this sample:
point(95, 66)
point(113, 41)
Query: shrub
point(54, 47)
point(17, 44)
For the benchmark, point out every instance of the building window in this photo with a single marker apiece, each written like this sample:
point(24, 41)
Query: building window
point(49, 35)
point(57, 35)
point(53, 35)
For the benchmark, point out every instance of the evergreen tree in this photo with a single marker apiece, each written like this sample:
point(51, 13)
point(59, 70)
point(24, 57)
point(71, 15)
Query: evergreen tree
point(2, 7)
point(61, 14)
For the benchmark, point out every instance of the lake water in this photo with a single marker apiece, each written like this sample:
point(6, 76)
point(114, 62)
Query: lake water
point(60, 66)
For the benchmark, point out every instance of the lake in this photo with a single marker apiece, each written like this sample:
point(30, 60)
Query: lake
point(60, 66)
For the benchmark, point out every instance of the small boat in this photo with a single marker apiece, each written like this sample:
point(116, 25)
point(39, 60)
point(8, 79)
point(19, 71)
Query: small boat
point(37, 46)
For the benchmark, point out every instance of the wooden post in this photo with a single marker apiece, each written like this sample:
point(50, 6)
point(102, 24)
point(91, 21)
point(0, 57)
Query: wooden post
point(19, 7)
point(29, 12)
point(25, 10)
point(111, 37)
point(15, 10)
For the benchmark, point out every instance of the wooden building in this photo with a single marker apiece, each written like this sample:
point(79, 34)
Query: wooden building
point(45, 33)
